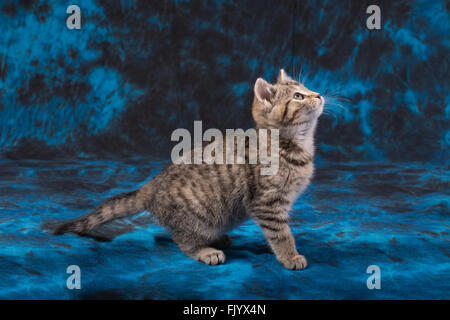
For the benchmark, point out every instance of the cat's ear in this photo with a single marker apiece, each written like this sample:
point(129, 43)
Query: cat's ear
point(264, 91)
point(283, 77)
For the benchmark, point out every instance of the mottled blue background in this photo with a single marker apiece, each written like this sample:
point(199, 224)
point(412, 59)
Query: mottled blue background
point(88, 113)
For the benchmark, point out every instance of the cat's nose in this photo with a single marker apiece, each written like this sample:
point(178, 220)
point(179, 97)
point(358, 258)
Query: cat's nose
point(317, 95)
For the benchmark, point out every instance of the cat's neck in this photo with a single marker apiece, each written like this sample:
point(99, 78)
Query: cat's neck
point(301, 135)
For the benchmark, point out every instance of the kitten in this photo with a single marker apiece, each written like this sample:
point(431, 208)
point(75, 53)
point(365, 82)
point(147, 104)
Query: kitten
point(199, 203)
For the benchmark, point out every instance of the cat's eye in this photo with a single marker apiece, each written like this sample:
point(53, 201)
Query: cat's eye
point(298, 96)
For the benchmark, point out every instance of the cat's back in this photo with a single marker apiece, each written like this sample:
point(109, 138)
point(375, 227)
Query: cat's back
point(209, 188)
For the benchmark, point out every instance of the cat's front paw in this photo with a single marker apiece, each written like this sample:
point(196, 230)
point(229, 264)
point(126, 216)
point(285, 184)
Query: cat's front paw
point(297, 262)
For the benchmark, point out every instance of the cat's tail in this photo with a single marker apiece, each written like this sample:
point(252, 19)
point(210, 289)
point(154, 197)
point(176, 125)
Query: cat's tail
point(119, 206)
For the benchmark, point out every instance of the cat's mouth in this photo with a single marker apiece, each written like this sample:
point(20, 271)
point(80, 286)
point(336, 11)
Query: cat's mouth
point(318, 108)
point(322, 101)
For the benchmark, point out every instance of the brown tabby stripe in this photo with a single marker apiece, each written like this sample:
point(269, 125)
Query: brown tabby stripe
point(278, 238)
point(124, 195)
point(276, 200)
point(205, 176)
point(261, 211)
point(251, 182)
point(199, 196)
point(285, 144)
point(286, 107)
point(294, 115)
point(271, 185)
point(223, 194)
point(269, 227)
point(191, 210)
point(296, 162)
point(272, 219)
point(230, 175)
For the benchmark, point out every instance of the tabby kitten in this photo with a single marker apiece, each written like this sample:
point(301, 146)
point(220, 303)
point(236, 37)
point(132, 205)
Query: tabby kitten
point(199, 203)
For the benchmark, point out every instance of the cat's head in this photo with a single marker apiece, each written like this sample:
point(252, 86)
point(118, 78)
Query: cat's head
point(285, 103)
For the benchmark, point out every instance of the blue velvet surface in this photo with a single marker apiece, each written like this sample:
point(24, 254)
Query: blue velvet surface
point(352, 216)
point(86, 114)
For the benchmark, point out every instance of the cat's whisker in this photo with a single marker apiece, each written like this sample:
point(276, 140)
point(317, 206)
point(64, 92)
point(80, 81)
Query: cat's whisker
point(330, 107)
point(337, 104)
point(333, 101)
point(339, 98)
point(328, 113)
point(327, 109)
point(299, 73)
point(335, 93)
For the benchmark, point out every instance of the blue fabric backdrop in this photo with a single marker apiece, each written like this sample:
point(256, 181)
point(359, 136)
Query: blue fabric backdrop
point(139, 69)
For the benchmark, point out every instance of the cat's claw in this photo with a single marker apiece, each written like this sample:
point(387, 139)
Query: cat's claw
point(297, 262)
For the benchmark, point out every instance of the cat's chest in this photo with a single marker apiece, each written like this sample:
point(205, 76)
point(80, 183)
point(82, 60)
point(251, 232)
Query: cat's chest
point(293, 181)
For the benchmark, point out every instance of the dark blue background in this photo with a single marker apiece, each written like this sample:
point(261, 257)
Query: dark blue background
point(137, 70)
point(86, 114)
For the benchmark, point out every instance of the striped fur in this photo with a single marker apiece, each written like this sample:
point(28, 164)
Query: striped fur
point(200, 203)
point(119, 206)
